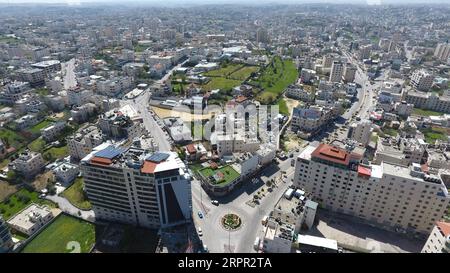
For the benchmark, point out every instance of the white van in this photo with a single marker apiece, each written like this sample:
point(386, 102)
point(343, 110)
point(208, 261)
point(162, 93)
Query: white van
point(256, 244)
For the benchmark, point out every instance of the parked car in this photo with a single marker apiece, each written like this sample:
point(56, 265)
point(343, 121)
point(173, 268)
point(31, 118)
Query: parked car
point(200, 232)
point(215, 202)
point(200, 214)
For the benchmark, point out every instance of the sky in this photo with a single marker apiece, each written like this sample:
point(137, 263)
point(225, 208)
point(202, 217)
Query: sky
point(228, 1)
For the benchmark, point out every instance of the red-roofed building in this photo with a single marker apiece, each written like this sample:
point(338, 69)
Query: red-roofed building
point(334, 155)
point(439, 239)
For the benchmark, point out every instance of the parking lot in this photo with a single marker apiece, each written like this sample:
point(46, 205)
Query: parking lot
point(357, 236)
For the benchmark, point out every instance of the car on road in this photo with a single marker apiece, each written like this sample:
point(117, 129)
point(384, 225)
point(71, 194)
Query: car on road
point(42, 196)
point(215, 202)
point(200, 232)
point(200, 214)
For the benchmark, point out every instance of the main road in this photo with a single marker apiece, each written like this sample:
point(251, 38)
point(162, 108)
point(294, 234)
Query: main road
point(217, 239)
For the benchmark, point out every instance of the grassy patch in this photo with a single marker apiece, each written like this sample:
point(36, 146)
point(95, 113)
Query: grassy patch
point(56, 153)
point(275, 78)
point(42, 91)
point(435, 133)
point(37, 145)
point(227, 174)
point(12, 138)
point(283, 108)
point(55, 238)
point(6, 190)
point(243, 73)
point(36, 129)
point(224, 71)
point(390, 131)
point(19, 201)
point(423, 112)
point(76, 195)
point(220, 83)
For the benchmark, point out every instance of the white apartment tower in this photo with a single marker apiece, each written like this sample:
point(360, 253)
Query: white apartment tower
point(389, 195)
point(134, 187)
point(439, 239)
point(442, 52)
point(422, 80)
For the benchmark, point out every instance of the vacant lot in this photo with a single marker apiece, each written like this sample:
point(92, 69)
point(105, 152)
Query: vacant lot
point(36, 129)
point(423, 112)
point(19, 201)
point(243, 73)
point(77, 196)
point(224, 71)
point(435, 133)
point(224, 174)
point(275, 78)
point(6, 190)
point(56, 153)
point(221, 83)
point(61, 234)
point(12, 138)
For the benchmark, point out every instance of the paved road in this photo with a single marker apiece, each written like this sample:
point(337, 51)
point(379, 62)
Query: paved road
point(215, 237)
point(68, 208)
point(68, 69)
point(140, 103)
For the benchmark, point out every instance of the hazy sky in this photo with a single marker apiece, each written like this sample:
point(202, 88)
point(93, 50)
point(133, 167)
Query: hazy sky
point(228, 1)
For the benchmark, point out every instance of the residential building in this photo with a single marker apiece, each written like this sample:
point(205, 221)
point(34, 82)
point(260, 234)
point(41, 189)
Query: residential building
point(299, 93)
point(337, 70)
point(422, 80)
point(29, 163)
point(27, 121)
point(14, 91)
point(278, 237)
point(361, 131)
point(34, 76)
point(310, 118)
point(388, 195)
point(78, 96)
point(52, 131)
point(66, 172)
point(119, 123)
point(442, 52)
point(439, 239)
point(29, 220)
point(131, 186)
point(82, 113)
point(83, 141)
point(349, 73)
point(48, 67)
point(429, 101)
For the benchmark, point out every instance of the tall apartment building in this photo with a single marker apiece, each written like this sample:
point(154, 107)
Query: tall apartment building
point(349, 73)
point(262, 36)
point(48, 66)
point(131, 186)
point(439, 239)
point(386, 194)
point(422, 80)
point(361, 131)
point(78, 96)
point(34, 76)
point(83, 141)
point(364, 52)
point(442, 52)
point(29, 163)
point(14, 91)
point(337, 70)
point(310, 118)
point(431, 101)
point(6, 241)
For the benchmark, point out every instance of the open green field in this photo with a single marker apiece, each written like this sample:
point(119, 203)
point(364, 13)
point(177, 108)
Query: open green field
point(77, 196)
point(220, 83)
point(9, 40)
point(13, 138)
point(390, 131)
point(243, 73)
point(19, 201)
point(435, 133)
point(423, 112)
point(224, 71)
point(36, 129)
point(56, 237)
point(275, 78)
point(229, 174)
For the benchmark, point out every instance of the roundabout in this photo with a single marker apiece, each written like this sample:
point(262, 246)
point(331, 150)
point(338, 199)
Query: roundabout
point(231, 222)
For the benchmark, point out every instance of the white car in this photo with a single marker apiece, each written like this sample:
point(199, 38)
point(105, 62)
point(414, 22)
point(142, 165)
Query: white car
point(200, 232)
point(215, 202)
